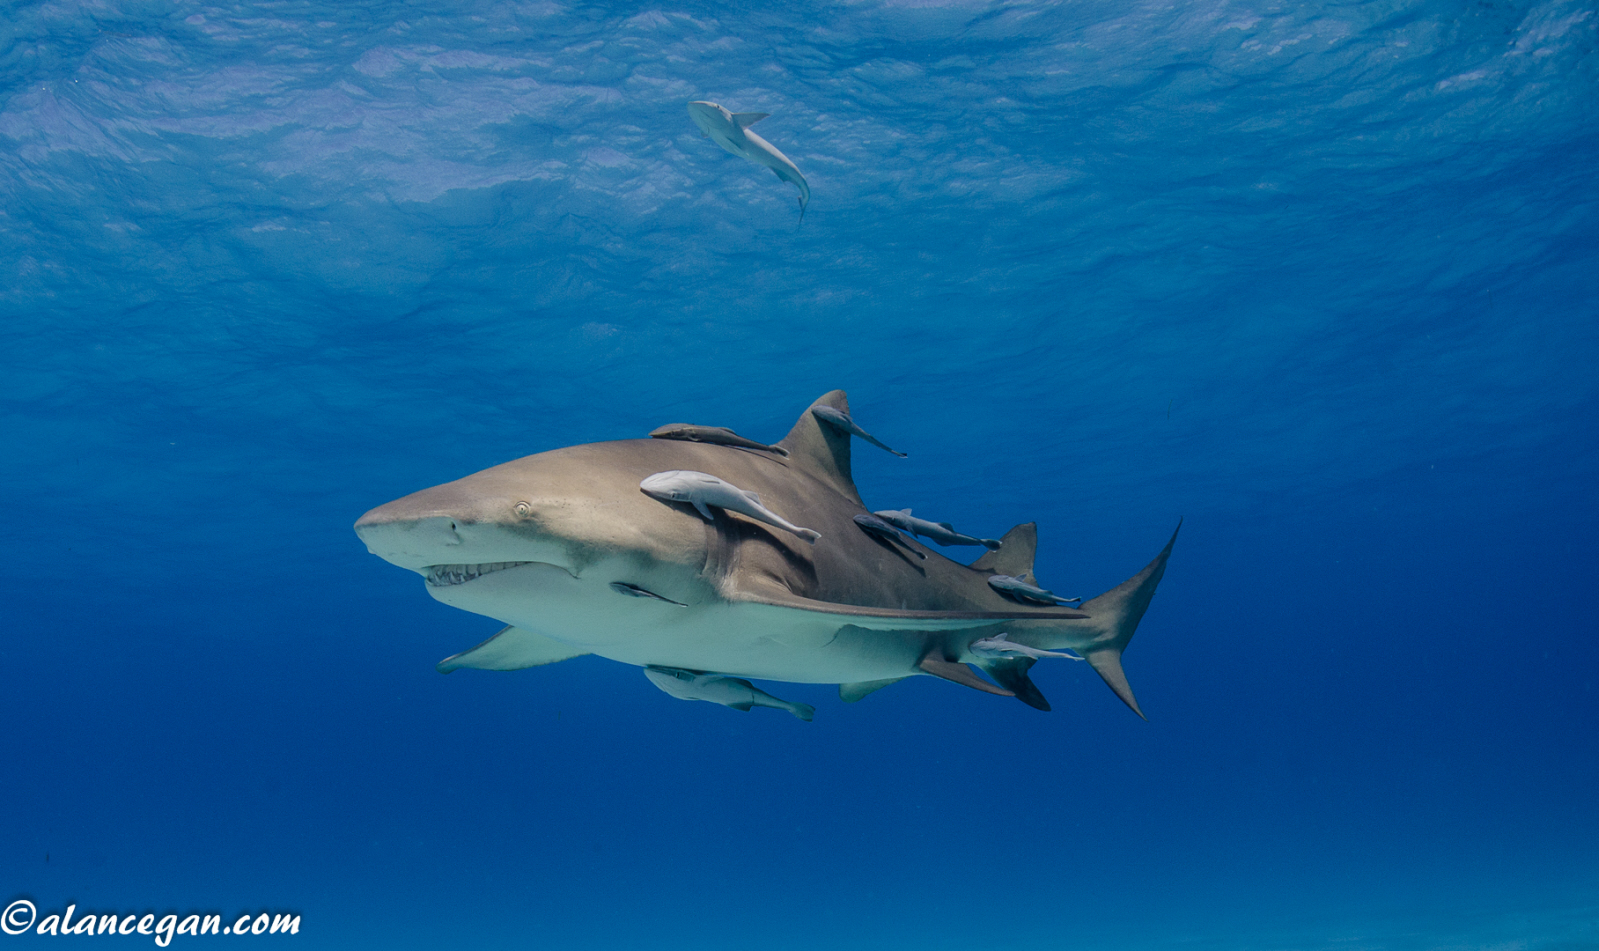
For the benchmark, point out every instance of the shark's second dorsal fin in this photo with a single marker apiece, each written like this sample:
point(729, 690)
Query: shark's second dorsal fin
point(746, 119)
point(823, 451)
point(1015, 557)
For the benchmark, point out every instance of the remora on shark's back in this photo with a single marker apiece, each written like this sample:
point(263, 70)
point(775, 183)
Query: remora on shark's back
point(731, 131)
point(589, 550)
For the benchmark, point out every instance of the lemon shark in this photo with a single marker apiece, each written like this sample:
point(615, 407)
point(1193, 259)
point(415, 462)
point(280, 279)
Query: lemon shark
point(571, 551)
point(731, 131)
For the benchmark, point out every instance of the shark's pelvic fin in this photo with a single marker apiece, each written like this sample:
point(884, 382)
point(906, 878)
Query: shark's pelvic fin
point(511, 649)
point(849, 693)
point(1116, 614)
point(959, 673)
point(1015, 555)
point(746, 119)
point(823, 451)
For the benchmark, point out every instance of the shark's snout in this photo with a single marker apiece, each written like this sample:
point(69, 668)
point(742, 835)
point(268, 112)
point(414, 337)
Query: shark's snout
point(461, 528)
point(409, 541)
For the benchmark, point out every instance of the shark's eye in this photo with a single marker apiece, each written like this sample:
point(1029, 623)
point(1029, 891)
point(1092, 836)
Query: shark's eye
point(523, 510)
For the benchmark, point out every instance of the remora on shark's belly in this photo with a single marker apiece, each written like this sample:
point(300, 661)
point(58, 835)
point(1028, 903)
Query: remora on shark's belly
point(567, 550)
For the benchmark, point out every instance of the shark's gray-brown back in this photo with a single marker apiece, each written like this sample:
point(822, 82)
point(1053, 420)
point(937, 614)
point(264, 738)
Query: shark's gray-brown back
point(558, 546)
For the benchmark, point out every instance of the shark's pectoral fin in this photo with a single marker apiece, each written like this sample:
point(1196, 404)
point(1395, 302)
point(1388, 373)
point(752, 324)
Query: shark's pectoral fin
point(511, 649)
point(1011, 673)
point(959, 673)
point(746, 119)
point(850, 693)
point(704, 512)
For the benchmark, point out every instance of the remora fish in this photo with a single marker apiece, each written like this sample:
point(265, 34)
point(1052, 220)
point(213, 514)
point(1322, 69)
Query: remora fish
point(537, 543)
point(731, 131)
point(1025, 591)
point(885, 531)
point(942, 532)
point(719, 435)
point(727, 691)
point(836, 417)
point(701, 489)
point(1001, 646)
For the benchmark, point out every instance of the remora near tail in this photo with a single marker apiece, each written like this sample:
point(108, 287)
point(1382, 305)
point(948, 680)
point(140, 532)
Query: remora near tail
point(564, 549)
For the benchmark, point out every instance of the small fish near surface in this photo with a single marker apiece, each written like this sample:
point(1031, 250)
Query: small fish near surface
point(942, 532)
point(714, 435)
point(1001, 647)
point(872, 525)
point(1018, 590)
point(841, 421)
point(731, 131)
point(727, 691)
point(701, 489)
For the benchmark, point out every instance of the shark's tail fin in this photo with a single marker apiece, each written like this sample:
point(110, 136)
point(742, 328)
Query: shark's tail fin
point(1114, 616)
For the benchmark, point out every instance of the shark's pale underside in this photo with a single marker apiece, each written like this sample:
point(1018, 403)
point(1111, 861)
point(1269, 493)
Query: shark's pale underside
point(567, 550)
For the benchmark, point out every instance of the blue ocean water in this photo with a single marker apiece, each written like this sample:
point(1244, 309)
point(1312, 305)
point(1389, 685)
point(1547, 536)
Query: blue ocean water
point(1320, 279)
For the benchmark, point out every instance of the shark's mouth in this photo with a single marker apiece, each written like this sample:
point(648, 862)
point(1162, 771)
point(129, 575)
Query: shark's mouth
point(442, 576)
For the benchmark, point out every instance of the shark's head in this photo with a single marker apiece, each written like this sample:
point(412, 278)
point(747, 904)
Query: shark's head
point(710, 117)
point(549, 528)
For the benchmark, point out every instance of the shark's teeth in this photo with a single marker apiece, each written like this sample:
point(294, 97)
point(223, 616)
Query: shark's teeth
point(440, 576)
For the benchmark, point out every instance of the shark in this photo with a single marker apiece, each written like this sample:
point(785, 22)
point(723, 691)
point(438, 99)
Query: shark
point(731, 131)
point(575, 556)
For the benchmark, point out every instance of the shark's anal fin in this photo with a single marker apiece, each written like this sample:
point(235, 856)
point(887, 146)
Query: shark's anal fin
point(511, 649)
point(1015, 555)
point(850, 693)
point(823, 451)
point(961, 674)
point(1011, 673)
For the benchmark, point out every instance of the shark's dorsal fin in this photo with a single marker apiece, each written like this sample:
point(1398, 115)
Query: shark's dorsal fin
point(746, 119)
point(823, 451)
point(1015, 556)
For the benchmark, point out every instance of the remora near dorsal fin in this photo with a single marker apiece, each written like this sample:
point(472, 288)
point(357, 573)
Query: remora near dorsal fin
point(823, 451)
point(746, 119)
point(1015, 556)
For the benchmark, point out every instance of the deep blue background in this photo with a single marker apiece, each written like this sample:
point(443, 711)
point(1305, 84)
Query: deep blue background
point(1321, 280)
